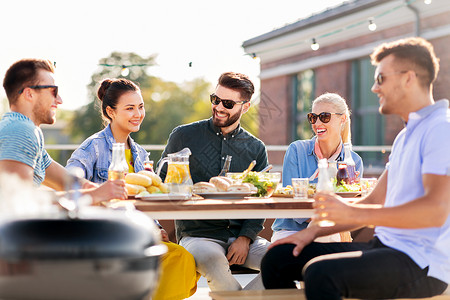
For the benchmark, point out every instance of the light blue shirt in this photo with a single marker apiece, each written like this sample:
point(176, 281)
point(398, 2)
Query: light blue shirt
point(21, 140)
point(420, 148)
point(95, 153)
point(300, 161)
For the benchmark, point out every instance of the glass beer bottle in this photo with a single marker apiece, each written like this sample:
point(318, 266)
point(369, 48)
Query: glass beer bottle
point(118, 167)
point(324, 184)
point(347, 168)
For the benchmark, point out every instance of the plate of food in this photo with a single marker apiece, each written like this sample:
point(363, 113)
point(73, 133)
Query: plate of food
point(285, 192)
point(162, 197)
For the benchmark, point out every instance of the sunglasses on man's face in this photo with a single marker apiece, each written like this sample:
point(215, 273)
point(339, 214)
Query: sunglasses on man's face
point(382, 77)
point(228, 104)
point(40, 87)
point(324, 117)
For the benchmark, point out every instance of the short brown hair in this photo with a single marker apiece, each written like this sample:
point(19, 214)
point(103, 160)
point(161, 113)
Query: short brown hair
point(415, 53)
point(24, 73)
point(238, 82)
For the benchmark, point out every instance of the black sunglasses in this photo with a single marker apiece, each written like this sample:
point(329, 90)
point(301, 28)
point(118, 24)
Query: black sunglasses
point(228, 104)
point(39, 87)
point(381, 77)
point(324, 117)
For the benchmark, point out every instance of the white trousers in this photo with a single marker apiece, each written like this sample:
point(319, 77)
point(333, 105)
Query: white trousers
point(210, 257)
point(277, 235)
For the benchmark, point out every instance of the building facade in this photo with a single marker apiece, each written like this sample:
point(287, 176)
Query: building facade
point(292, 74)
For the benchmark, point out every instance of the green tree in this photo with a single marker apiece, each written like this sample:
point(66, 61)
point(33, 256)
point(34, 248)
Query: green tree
point(167, 104)
point(88, 120)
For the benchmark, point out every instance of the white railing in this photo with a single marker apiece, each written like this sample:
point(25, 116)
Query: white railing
point(368, 169)
point(283, 148)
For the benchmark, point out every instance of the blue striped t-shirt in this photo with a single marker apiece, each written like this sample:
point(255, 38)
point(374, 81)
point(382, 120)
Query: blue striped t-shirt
point(21, 140)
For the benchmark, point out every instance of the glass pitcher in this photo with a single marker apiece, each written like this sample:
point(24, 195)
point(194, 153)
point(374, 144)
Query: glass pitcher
point(178, 177)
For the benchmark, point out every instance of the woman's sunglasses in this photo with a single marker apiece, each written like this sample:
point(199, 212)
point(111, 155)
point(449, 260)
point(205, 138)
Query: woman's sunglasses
point(38, 87)
point(228, 104)
point(324, 117)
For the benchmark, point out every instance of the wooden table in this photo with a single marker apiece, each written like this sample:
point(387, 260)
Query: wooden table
point(283, 294)
point(245, 208)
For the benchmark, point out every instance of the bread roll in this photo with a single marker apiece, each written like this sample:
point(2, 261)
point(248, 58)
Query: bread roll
point(156, 180)
point(204, 187)
point(134, 189)
point(139, 179)
point(164, 188)
point(221, 184)
point(229, 180)
point(239, 188)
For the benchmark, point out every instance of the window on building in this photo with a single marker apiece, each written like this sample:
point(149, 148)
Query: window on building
point(367, 123)
point(303, 95)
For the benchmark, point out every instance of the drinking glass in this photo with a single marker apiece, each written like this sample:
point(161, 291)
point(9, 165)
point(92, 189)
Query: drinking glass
point(367, 185)
point(300, 187)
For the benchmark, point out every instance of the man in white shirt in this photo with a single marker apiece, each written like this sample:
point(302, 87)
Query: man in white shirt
point(410, 205)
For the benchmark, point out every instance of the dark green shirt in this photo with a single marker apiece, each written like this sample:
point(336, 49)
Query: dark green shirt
point(209, 149)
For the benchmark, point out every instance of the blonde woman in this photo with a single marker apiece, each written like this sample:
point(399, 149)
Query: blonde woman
point(330, 121)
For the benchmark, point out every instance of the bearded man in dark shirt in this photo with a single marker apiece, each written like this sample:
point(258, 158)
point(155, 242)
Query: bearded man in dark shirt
point(218, 244)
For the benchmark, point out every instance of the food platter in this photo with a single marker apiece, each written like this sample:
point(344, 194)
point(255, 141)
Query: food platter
point(225, 195)
point(163, 197)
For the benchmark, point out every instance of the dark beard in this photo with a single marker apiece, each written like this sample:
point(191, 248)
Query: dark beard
point(229, 121)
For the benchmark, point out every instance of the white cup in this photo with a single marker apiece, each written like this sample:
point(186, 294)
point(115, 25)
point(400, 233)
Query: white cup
point(300, 187)
point(367, 185)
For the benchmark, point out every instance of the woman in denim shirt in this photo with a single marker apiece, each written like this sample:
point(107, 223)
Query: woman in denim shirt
point(300, 161)
point(124, 116)
point(123, 109)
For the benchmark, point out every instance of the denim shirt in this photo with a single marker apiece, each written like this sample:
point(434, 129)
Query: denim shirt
point(95, 153)
point(300, 161)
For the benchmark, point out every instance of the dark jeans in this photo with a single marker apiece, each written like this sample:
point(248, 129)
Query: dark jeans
point(352, 270)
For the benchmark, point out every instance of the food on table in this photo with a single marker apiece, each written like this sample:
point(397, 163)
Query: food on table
point(240, 188)
point(266, 183)
point(311, 190)
point(156, 180)
point(134, 189)
point(229, 180)
point(164, 188)
point(284, 191)
point(139, 179)
point(204, 187)
point(144, 183)
point(221, 184)
point(343, 187)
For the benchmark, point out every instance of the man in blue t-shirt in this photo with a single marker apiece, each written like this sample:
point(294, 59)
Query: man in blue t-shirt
point(33, 99)
point(409, 255)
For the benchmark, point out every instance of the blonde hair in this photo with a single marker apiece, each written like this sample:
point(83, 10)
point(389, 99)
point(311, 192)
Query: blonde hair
point(341, 107)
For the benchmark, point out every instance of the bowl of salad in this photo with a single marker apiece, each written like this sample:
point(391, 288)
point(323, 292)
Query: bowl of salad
point(344, 190)
point(266, 183)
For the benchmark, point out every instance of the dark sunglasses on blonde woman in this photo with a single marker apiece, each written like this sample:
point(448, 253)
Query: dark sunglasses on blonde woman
point(228, 104)
point(324, 117)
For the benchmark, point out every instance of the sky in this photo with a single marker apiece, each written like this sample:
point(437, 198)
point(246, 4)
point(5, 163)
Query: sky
point(77, 34)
